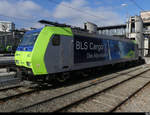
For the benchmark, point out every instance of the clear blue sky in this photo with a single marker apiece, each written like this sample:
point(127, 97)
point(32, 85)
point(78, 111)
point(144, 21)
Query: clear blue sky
point(26, 13)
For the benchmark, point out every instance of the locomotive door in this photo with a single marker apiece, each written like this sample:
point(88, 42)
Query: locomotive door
point(66, 52)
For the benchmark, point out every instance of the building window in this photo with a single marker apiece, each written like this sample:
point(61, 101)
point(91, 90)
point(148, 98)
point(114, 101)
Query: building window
point(132, 38)
point(133, 27)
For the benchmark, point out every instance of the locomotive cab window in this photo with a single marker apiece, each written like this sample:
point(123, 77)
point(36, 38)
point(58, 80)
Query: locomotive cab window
point(56, 40)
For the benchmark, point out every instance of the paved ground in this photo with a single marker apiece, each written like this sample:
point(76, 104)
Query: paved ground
point(107, 100)
point(139, 103)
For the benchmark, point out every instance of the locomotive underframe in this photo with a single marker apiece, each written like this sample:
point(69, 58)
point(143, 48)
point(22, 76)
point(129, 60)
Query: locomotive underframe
point(27, 74)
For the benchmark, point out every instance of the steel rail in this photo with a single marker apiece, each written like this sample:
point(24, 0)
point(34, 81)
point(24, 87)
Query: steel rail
point(132, 95)
point(8, 88)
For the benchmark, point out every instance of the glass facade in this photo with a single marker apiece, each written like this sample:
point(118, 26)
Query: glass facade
point(114, 31)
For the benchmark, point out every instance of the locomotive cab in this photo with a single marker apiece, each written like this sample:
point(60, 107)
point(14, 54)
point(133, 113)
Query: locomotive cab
point(24, 50)
point(23, 55)
point(39, 49)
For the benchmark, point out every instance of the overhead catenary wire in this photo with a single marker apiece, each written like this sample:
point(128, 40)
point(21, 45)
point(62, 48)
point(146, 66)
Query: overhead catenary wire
point(137, 5)
point(18, 18)
point(25, 20)
point(31, 20)
point(79, 10)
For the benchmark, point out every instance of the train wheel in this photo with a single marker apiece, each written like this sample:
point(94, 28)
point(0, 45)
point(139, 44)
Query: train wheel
point(62, 78)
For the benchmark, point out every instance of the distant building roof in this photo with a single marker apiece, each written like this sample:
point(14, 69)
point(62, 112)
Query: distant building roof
point(6, 22)
point(112, 27)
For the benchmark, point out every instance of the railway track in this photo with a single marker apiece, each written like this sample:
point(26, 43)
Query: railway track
point(27, 99)
point(13, 92)
point(67, 97)
point(111, 98)
point(8, 88)
point(104, 98)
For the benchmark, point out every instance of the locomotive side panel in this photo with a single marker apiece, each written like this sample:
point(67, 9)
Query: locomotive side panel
point(58, 56)
point(66, 57)
point(92, 52)
point(40, 65)
point(121, 50)
point(88, 49)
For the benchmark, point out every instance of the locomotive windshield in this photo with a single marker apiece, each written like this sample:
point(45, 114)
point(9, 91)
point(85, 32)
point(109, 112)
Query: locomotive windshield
point(30, 37)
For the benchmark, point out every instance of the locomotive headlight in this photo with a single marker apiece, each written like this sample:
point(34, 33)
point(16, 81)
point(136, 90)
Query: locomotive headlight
point(17, 55)
point(29, 55)
point(17, 62)
point(28, 64)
